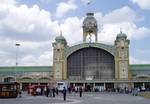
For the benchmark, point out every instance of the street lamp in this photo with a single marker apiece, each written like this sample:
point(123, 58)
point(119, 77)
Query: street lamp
point(17, 47)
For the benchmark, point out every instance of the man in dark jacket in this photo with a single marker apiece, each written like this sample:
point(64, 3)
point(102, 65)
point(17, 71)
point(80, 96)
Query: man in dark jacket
point(53, 91)
point(80, 90)
point(64, 93)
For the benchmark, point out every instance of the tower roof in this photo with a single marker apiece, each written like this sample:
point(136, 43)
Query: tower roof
point(121, 35)
point(89, 19)
point(60, 37)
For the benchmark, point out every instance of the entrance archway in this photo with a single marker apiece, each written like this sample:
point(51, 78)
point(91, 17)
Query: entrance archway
point(90, 63)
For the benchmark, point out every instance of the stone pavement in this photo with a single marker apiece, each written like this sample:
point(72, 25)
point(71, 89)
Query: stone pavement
point(88, 98)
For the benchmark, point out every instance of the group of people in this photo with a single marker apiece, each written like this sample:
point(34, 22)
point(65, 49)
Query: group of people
point(50, 92)
point(75, 90)
point(53, 91)
point(47, 91)
point(72, 89)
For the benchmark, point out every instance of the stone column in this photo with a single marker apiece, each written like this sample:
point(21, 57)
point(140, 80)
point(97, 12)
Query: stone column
point(83, 85)
point(74, 84)
point(104, 86)
point(133, 85)
point(93, 86)
point(20, 86)
point(143, 84)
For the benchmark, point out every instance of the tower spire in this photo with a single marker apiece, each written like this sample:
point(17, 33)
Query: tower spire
point(60, 31)
point(88, 6)
point(89, 2)
point(120, 30)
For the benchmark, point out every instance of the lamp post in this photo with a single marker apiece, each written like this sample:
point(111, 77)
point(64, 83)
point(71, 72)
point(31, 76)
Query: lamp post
point(17, 47)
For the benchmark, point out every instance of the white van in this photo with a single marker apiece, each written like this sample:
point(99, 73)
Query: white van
point(61, 85)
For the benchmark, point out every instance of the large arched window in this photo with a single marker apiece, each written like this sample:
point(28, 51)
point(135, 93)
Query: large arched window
point(90, 63)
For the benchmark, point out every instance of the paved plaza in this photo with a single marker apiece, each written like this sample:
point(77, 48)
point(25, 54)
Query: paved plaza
point(88, 98)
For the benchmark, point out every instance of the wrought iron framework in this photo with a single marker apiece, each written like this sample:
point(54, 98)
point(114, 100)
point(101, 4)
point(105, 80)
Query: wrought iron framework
point(90, 63)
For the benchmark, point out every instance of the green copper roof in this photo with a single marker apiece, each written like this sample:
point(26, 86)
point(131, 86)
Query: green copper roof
point(140, 67)
point(26, 69)
point(121, 35)
point(60, 38)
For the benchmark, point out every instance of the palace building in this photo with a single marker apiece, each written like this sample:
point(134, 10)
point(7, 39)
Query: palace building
point(88, 64)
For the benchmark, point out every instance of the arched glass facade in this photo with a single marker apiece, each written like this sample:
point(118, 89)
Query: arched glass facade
point(90, 63)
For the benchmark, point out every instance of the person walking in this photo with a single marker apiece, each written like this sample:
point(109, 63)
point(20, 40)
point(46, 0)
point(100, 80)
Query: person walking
point(41, 91)
point(64, 93)
point(53, 91)
point(80, 91)
point(73, 90)
point(20, 94)
point(47, 91)
point(56, 91)
point(69, 89)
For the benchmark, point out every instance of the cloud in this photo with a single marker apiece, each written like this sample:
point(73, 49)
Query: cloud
point(110, 31)
point(44, 59)
point(124, 14)
point(35, 30)
point(141, 32)
point(24, 23)
point(143, 4)
point(124, 18)
point(64, 7)
point(108, 26)
point(8, 2)
point(32, 27)
point(72, 29)
point(29, 53)
point(138, 61)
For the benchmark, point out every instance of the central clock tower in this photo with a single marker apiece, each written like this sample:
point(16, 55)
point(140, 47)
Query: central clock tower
point(89, 27)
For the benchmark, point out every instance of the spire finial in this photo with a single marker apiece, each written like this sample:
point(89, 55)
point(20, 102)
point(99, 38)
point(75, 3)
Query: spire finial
point(89, 2)
point(60, 31)
point(88, 6)
point(120, 30)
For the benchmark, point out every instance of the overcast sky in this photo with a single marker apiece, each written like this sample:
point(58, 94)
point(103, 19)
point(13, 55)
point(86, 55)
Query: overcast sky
point(35, 23)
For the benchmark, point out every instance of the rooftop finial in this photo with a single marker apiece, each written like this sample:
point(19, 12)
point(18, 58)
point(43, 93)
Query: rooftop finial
point(60, 31)
point(88, 6)
point(120, 30)
point(89, 2)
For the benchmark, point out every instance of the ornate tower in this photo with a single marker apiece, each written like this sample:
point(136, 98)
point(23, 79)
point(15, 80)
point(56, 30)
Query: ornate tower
point(58, 57)
point(122, 57)
point(89, 27)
